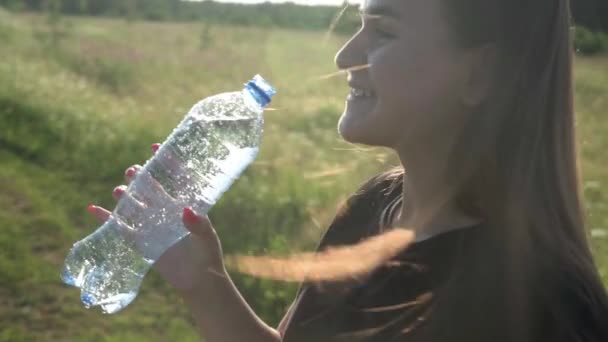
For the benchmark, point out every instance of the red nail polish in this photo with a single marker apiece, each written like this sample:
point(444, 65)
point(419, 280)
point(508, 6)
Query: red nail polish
point(190, 216)
point(91, 208)
point(130, 172)
point(155, 147)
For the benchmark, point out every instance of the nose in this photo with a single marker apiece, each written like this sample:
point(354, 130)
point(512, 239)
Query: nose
point(351, 54)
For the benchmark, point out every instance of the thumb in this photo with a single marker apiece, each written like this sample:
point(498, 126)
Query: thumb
point(203, 232)
point(198, 225)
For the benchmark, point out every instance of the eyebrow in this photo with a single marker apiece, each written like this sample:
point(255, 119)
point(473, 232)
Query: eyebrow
point(378, 12)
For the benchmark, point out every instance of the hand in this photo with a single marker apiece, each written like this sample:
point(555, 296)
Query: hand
point(190, 262)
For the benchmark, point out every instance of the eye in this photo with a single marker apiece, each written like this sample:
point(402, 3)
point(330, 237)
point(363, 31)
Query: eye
point(378, 34)
point(376, 28)
point(382, 33)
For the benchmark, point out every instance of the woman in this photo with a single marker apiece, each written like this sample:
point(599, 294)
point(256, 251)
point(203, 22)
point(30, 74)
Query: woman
point(475, 97)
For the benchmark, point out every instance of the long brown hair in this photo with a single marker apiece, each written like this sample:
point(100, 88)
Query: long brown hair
point(516, 167)
point(527, 184)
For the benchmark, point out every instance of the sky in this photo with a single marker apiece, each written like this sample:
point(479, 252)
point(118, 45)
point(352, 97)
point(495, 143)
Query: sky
point(304, 2)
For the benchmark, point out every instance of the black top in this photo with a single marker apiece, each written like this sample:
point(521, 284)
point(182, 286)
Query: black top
point(333, 312)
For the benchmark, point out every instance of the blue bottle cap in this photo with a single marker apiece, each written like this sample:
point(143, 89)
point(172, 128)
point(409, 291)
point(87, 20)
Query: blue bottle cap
point(88, 299)
point(261, 90)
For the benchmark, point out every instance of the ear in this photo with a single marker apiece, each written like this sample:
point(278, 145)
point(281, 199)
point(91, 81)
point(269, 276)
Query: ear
point(481, 63)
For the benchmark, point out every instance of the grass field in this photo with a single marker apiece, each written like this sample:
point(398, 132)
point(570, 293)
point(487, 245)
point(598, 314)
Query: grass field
point(82, 98)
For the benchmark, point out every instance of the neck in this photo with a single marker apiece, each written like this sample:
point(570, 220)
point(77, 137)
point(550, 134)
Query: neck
point(429, 207)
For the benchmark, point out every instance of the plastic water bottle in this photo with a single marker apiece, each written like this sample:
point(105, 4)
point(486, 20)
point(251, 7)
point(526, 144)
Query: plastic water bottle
point(197, 163)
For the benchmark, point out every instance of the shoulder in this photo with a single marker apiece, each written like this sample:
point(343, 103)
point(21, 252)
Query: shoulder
point(377, 190)
point(357, 218)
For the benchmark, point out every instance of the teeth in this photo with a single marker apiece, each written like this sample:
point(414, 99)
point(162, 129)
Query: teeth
point(360, 92)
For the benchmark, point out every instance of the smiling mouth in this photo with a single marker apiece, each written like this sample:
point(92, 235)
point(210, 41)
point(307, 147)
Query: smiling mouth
point(360, 93)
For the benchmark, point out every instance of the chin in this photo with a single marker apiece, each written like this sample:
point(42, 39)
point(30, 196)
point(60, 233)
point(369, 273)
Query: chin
point(358, 125)
point(348, 130)
point(358, 134)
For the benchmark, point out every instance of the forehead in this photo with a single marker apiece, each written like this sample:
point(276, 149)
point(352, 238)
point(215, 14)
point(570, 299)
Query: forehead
point(409, 10)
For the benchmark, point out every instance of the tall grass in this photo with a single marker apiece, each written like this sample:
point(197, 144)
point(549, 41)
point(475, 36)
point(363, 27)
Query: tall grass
point(75, 113)
point(71, 125)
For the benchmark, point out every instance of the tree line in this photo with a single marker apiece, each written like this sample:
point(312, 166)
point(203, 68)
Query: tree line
point(285, 15)
point(591, 14)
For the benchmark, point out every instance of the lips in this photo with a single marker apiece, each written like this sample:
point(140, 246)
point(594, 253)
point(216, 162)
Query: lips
point(356, 92)
point(359, 90)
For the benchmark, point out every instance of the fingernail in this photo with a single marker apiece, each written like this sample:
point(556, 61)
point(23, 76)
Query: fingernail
point(190, 216)
point(118, 190)
point(91, 208)
point(130, 172)
point(155, 147)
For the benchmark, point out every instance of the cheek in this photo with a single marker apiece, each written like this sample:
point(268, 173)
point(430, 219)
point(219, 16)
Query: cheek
point(414, 88)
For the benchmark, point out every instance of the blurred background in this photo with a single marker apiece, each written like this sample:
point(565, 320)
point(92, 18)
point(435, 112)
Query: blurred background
point(87, 86)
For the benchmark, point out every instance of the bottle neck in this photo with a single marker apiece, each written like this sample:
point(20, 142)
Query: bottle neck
point(260, 97)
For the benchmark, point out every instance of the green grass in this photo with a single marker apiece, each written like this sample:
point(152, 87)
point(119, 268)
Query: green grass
point(84, 99)
point(79, 107)
point(591, 84)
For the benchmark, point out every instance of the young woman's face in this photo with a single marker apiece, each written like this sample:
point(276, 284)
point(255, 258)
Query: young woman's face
point(411, 90)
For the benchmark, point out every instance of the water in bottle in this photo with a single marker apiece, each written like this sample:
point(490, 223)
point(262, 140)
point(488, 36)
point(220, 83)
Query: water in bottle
point(197, 163)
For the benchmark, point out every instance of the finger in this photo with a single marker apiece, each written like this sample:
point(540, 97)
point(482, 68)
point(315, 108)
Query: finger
point(101, 214)
point(150, 191)
point(131, 172)
point(155, 147)
point(197, 224)
point(118, 191)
